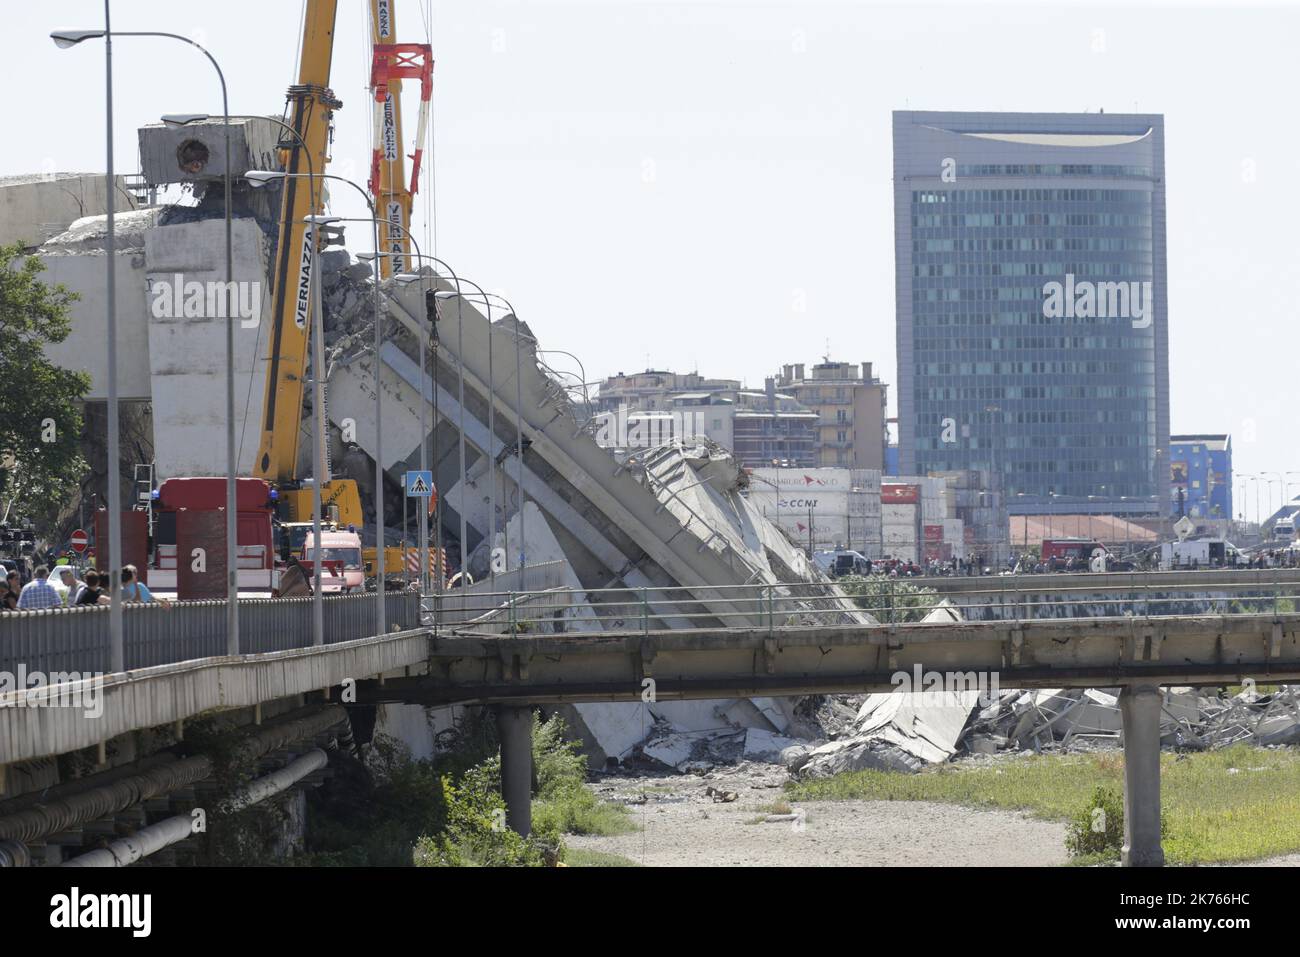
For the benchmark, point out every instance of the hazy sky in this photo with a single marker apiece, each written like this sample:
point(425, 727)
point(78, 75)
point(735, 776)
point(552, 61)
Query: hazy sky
point(668, 183)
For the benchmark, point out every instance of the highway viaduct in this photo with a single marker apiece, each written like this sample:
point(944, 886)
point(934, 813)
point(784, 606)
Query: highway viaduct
point(523, 655)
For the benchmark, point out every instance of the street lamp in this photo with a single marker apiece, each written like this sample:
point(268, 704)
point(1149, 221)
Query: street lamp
point(519, 423)
point(423, 538)
point(491, 423)
point(317, 224)
point(263, 178)
point(69, 38)
point(424, 428)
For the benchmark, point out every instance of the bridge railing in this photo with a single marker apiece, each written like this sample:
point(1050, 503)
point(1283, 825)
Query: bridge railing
point(77, 639)
point(563, 610)
point(771, 607)
point(474, 601)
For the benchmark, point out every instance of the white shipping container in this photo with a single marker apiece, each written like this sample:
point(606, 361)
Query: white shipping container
point(814, 479)
point(898, 514)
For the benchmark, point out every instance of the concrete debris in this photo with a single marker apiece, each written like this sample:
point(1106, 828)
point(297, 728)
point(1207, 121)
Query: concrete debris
point(1054, 719)
point(763, 745)
point(907, 731)
point(856, 754)
point(85, 236)
point(894, 732)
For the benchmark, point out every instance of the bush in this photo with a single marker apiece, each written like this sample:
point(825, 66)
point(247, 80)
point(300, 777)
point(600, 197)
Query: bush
point(476, 834)
point(564, 804)
point(1098, 828)
point(448, 811)
point(890, 599)
point(1097, 831)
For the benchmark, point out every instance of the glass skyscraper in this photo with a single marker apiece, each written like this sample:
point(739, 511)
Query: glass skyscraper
point(1031, 276)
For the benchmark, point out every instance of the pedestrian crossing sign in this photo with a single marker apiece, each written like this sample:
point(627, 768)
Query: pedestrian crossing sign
point(419, 484)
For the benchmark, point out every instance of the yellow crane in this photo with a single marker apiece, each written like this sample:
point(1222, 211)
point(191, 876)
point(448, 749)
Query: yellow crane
point(310, 109)
point(391, 62)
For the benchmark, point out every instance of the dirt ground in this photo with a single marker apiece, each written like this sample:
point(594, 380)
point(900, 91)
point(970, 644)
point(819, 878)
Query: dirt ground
point(682, 825)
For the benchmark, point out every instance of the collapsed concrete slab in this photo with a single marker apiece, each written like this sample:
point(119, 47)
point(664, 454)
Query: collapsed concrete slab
point(899, 731)
point(39, 206)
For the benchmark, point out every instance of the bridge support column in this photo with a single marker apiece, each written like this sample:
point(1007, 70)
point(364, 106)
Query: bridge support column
point(1140, 712)
point(515, 729)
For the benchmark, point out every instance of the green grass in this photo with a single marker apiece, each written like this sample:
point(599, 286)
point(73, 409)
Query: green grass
point(576, 810)
point(563, 803)
point(577, 858)
point(1237, 804)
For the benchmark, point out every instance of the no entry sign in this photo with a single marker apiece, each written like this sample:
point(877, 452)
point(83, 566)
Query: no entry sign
point(79, 541)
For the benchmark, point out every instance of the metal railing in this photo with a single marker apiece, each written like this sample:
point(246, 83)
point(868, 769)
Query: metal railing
point(773, 607)
point(77, 640)
point(464, 604)
point(563, 610)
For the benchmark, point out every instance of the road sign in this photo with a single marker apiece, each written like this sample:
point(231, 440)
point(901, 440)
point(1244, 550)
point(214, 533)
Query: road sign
point(79, 541)
point(1184, 527)
point(419, 484)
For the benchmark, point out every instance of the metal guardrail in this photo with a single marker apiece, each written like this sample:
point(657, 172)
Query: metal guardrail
point(458, 605)
point(76, 639)
point(771, 607)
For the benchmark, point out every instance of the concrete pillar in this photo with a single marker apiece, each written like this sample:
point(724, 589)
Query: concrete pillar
point(1139, 707)
point(515, 729)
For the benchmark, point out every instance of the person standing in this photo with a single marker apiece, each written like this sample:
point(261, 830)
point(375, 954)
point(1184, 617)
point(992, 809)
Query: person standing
point(135, 590)
point(91, 593)
point(39, 593)
point(65, 583)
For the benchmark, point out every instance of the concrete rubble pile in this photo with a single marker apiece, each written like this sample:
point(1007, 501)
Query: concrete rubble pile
point(907, 731)
point(1060, 718)
point(890, 732)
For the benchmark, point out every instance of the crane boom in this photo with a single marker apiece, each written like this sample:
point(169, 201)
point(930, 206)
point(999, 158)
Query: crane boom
point(309, 111)
point(391, 62)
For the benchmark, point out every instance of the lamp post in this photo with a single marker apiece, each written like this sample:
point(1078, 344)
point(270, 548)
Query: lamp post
point(491, 411)
point(519, 420)
point(1288, 487)
point(1281, 490)
point(424, 428)
point(70, 38)
point(262, 178)
point(491, 424)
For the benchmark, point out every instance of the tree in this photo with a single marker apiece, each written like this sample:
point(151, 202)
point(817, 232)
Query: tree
point(890, 599)
point(40, 403)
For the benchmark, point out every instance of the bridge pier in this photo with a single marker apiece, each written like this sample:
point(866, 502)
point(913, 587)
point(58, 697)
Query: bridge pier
point(1140, 713)
point(515, 729)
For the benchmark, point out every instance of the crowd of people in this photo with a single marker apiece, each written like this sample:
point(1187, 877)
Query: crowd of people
point(61, 588)
point(906, 568)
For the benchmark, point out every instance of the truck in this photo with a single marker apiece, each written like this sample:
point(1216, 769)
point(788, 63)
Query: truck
point(189, 502)
point(1284, 529)
point(1199, 553)
point(340, 554)
point(1056, 553)
point(842, 561)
